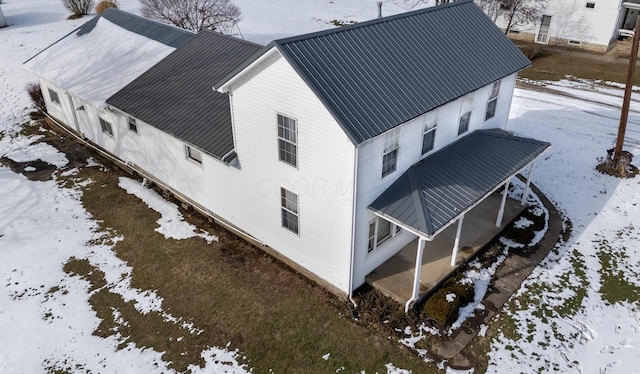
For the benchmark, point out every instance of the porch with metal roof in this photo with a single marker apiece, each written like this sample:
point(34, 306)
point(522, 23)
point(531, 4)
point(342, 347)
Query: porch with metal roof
point(395, 277)
point(449, 202)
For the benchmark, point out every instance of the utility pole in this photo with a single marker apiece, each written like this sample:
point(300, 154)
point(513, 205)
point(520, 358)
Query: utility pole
point(627, 94)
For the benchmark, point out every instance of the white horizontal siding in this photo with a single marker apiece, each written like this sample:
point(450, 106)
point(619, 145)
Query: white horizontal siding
point(371, 184)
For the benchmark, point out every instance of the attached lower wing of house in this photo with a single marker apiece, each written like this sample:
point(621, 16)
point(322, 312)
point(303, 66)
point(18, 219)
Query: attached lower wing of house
point(333, 150)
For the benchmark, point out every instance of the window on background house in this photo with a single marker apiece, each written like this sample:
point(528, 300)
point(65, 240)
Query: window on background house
point(591, 5)
point(381, 230)
point(194, 154)
point(288, 140)
point(465, 114)
point(390, 152)
point(132, 125)
point(429, 132)
point(53, 95)
point(493, 101)
point(289, 209)
point(106, 127)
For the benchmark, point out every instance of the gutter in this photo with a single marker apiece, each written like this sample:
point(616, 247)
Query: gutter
point(353, 227)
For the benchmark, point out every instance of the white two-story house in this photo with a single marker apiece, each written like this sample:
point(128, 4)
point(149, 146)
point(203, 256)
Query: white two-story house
point(336, 149)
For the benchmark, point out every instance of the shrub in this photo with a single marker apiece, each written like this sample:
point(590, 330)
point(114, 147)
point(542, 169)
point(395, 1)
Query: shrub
point(443, 312)
point(530, 50)
point(78, 7)
point(104, 4)
point(35, 93)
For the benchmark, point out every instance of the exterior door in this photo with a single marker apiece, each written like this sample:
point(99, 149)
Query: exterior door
point(543, 33)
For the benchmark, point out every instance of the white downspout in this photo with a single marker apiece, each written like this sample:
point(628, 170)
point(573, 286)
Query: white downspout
point(354, 207)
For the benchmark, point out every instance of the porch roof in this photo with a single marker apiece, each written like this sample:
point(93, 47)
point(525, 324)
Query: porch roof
point(437, 190)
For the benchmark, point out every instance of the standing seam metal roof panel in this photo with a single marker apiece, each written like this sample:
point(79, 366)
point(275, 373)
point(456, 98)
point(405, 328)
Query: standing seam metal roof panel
point(176, 96)
point(378, 74)
point(433, 192)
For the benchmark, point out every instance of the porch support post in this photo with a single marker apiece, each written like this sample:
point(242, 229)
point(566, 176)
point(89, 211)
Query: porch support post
point(502, 203)
point(525, 193)
point(456, 243)
point(416, 276)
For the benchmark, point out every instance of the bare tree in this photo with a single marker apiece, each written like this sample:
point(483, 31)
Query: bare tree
point(78, 7)
point(522, 12)
point(414, 3)
point(194, 15)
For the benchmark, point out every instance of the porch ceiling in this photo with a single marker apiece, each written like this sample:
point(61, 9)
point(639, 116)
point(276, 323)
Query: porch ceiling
point(437, 190)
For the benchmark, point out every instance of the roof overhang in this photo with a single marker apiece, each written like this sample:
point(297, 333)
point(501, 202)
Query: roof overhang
point(437, 191)
point(224, 85)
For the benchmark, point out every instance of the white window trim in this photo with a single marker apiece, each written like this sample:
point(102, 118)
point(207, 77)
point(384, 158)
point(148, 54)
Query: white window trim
point(394, 231)
point(192, 154)
point(285, 140)
point(466, 108)
point(135, 124)
point(430, 125)
point(284, 209)
point(391, 145)
point(493, 98)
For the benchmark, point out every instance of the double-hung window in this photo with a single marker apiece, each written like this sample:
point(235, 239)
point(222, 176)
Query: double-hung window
point(493, 101)
point(465, 114)
point(106, 127)
point(288, 140)
point(53, 95)
point(390, 153)
point(381, 230)
point(132, 125)
point(429, 132)
point(289, 209)
point(194, 154)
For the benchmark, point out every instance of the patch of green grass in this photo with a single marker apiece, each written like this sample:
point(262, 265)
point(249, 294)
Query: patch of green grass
point(615, 286)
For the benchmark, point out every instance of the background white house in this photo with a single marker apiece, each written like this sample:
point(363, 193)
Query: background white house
point(302, 145)
point(586, 24)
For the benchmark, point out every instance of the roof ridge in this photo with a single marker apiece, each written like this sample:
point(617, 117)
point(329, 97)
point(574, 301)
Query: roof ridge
point(418, 201)
point(109, 10)
point(230, 37)
point(371, 22)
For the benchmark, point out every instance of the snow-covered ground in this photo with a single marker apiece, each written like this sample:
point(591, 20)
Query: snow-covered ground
point(566, 317)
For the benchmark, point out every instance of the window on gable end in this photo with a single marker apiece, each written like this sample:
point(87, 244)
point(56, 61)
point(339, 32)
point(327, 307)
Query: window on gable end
point(429, 132)
point(466, 108)
point(390, 152)
point(289, 210)
point(106, 127)
point(53, 95)
point(493, 101)
point(288, 140)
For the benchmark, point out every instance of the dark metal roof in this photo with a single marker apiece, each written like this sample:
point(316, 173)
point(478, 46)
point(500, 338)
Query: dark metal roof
point(160, 32)
point(176, 97)
point(435, 191)
point(376, 75)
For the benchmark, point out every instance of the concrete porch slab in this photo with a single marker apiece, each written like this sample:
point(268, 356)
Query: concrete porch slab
point(394, 278)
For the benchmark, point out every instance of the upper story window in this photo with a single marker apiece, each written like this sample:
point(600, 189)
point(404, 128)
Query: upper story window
point(465, 114)
point(493, 101)
point(288, 140)
point(106, 127)
point(132, 125)
point(429, 132)
point(289, 210)
point(53, 95)
point(194, 154)
point(390, 153)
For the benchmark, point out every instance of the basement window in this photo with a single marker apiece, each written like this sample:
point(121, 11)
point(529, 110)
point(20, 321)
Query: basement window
point(574, 42)
point(591, 5)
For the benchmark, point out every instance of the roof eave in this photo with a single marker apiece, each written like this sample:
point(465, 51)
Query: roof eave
point(224, 85)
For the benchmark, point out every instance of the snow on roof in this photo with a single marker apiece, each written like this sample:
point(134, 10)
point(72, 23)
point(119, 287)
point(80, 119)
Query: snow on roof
point(97, 64)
